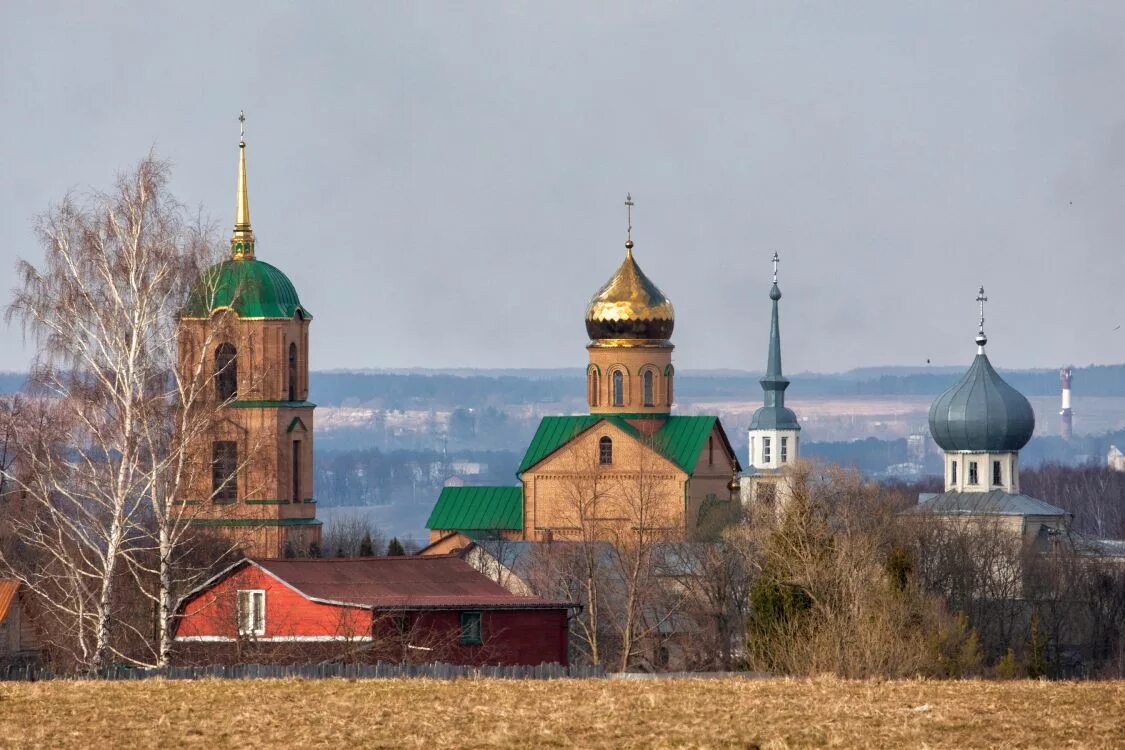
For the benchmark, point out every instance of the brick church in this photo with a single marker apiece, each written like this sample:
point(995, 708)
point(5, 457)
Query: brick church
point(246, 313)
point(630, 462)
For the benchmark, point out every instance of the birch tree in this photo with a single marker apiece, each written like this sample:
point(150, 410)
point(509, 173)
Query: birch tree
point(98, 484)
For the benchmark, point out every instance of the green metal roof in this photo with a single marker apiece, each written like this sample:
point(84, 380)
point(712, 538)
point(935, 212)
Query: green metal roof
point(252, 288)
point(680, 439)
point(478, 509)
point(552, 434)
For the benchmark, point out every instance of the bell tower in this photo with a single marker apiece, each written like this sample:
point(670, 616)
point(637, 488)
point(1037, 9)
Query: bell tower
point(246, 326)
point(630, 322)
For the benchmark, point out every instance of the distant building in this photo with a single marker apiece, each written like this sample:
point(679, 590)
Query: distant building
point(981, 423)
point(775, 433)
point(589, 474)
point(1115, 459)
point(245, 323)
point(434, 608)
point(20, 643)
point(1066, 416)
point(916, 448)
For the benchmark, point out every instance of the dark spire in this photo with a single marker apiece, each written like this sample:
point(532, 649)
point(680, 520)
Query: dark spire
point(774, 415)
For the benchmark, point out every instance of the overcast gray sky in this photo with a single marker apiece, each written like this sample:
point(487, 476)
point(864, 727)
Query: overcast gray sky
point(444, 182)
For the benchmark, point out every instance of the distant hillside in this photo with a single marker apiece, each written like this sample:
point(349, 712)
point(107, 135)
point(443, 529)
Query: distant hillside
point(439, 389)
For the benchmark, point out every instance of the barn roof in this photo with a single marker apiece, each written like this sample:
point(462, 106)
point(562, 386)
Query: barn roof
point(406, 582)
point(8, 590)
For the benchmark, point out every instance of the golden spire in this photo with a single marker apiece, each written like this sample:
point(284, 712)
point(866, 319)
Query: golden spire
point(242, 241)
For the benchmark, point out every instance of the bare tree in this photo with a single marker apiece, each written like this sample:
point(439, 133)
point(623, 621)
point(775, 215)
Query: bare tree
point(100, 483)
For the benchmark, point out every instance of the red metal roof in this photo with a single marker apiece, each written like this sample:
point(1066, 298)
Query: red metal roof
point(412, 582)
point(8, 590)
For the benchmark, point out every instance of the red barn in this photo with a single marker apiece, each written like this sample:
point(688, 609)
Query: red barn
point(418, 609)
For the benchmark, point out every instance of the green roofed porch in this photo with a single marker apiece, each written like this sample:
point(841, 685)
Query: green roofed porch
point(477, 510)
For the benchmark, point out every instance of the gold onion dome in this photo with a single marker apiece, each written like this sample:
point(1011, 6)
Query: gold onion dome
point(630, 306)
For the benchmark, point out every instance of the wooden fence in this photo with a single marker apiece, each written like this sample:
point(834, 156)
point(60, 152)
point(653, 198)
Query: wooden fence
point(380, 670)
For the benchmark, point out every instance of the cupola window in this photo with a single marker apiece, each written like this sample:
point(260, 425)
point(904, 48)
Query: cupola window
point(997, 474)
point(953, 471)
point(593, 385)
point(226, 372)
point(784, 450)
point(669, 373)
point(973, 479)
point(766, 452)
point(647, 384)
point(618, 388)
point(605, 451)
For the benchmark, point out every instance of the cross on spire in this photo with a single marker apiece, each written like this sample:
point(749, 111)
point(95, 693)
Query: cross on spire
point(241, 128)
point(775, 261)
point(629, 219)
point(981, 338)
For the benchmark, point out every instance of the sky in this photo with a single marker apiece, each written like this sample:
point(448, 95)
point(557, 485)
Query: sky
point(444, 182)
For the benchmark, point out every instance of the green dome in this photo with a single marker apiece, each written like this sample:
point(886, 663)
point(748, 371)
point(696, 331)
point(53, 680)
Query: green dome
point(252, 288)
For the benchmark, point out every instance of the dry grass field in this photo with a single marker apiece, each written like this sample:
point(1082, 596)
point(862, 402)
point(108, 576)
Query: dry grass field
point(593, 713)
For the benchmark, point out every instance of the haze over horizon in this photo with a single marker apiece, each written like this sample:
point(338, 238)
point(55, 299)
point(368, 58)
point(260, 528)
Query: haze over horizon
point(444, 185)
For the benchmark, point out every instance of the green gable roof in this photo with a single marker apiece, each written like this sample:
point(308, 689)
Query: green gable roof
point(478, 509)
point(252, 288)
point(680, 439)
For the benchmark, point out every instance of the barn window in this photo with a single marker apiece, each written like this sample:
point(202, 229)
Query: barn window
point(647, 387)
point(470, 629)
point(605, 451)
point(251, 612)
point(293, 372)
point(224, 470)
point(618, 388)
point(226, 372)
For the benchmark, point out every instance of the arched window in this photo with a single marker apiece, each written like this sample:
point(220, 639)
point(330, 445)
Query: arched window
point(618, 388)
point(669, 373)
point(594, 384)
point(605, 451)
point(226, 372)
point(293, 371)
point(646, 382)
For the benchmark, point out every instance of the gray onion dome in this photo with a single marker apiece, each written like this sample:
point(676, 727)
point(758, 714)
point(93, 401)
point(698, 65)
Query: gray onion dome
point(982, 413)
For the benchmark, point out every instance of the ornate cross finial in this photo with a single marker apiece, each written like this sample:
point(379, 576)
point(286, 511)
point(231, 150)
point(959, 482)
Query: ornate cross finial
point(981, 338)
point(629, 219)
point(241, 128)
point(775, 260)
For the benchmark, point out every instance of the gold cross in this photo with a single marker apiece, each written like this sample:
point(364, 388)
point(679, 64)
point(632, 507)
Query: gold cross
point(241, 127)
point(629, 216)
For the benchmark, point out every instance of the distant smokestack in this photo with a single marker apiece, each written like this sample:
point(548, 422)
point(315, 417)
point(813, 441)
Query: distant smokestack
point(1066, 423)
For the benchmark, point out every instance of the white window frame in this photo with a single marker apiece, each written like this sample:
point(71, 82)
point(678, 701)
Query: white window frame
point(784, 450)
point(766, 452)
point(246, 619)
point(974, 476)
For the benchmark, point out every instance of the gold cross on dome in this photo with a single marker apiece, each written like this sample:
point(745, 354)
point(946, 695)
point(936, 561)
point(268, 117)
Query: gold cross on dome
point(629, 216)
